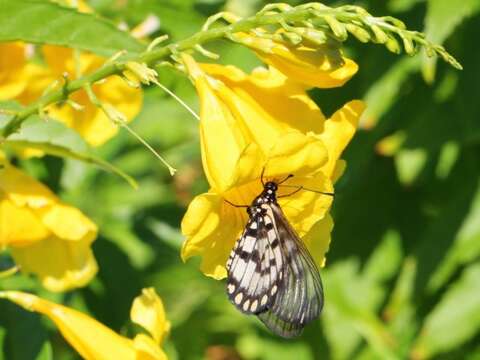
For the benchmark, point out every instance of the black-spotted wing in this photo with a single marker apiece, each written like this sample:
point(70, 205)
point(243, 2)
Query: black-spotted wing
point(271, 274)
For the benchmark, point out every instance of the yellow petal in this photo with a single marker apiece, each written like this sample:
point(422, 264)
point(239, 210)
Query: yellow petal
point(62, 60)
point(249, 166)
point(207, 235)
point(91, 339)
point(200, 221)
point(60, 264)
point(22, 190)
point(12, 77)
point(339, 130)
point(221, 139)
point(91, 122)
point(340, 167)
point(39, 78)
point(305, 208)
point(290, 153)
point(266, 102)
point(320, 66)
point(68, 223)
point(19, 225)
point(148, 312)
point(318, 239)
point(147, 349)
point(296, 153)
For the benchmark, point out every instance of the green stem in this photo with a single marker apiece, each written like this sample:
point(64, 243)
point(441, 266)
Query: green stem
point(314, 12)
point(150, 58)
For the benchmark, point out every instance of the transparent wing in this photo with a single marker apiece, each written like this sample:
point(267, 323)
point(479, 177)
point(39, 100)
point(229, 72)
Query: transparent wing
point(279, 326)
point(252, 270)
point(300, 294)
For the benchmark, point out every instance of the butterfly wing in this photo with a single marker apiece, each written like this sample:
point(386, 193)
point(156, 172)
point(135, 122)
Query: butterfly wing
point(252, 270)
point(300, 294)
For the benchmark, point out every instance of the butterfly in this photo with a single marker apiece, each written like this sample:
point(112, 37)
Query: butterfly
point(271, 274)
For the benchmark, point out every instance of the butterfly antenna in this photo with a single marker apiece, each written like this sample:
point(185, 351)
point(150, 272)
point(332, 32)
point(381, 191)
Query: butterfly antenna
point(288, 177)
point(261, 176)
point(307, 189)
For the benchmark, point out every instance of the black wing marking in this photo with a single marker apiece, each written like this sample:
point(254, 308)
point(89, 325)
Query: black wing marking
point(251, 269)
point(300, 294)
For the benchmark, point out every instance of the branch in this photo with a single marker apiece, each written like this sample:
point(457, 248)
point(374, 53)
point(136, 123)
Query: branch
point(335, 23)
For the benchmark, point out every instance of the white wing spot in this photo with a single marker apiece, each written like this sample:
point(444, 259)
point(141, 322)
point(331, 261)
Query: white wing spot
point(231, 288)
point(238, 298)
point(253, 225)
point(264, 300)
point(254, 306)
point(246, 304)
point(274, 290)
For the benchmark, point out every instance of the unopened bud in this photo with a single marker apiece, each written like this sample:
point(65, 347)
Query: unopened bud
point(292, 38)
point(315, 36)
point(360, 33)
point(140, 71)
point(408, 45)
point(113, 114)
point(338, 28)
point(392, 45)
point(380, 36)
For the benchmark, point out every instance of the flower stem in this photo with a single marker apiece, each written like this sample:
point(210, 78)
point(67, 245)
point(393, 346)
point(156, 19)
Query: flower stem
point(312, 12)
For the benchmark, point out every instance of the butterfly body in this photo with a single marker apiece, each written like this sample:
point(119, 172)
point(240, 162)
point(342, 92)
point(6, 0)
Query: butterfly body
point(270, 272)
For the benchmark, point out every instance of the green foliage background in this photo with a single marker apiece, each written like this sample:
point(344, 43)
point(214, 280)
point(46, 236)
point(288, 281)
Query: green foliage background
point(403, 272)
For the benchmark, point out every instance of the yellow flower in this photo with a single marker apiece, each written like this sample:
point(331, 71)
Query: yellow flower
point(252, 122)
point(90, 121)
point(46, 237)
point(12, 61)
point(18, 77)
point(93, 340)
point(314, 66)
point(26, 82)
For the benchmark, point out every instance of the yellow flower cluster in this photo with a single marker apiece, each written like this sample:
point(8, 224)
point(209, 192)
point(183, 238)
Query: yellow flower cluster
point(266, 121)
point(62, 64)
point(250, 124)
point(46, 237)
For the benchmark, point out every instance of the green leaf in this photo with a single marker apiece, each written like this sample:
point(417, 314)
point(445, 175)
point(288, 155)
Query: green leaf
point(402, 5)
point(254, 347)
point(51, 131)
point(179, 19)
point(25, 337)
point(409, 164)
point(61, 151)
point(383, 264)
point(384, 93)
point(466, 247)
point(353, 300)
point(443, 16)
point(455, 319)
point(399, 313)
point(44, 22)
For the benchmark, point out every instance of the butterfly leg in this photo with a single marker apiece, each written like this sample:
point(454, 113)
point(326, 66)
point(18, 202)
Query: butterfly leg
point(235, 205)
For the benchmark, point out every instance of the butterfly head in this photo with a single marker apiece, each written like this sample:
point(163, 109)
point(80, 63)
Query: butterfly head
point(269, 193)
point(270, 187)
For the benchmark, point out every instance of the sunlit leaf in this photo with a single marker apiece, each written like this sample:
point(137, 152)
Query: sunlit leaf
point(443, 16)
point(61, 151)
point(45, 22)
point(454, 319)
